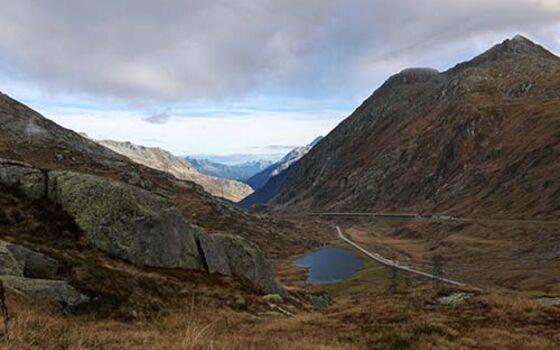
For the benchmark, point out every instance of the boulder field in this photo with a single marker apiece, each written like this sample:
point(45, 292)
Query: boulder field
point(137, 226)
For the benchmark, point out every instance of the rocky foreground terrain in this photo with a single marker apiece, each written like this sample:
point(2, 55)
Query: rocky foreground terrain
point(80, 225)
point(160, 159)
point(481, 139)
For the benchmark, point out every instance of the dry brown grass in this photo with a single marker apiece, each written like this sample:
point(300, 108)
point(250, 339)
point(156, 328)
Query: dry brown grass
point(33, 327)
point(407, 320)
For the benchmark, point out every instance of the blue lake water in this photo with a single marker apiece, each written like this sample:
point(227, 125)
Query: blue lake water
point(330, 265)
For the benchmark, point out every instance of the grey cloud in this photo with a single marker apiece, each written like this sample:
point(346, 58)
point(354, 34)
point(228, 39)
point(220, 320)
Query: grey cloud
point(142, 50)
point(158, 118)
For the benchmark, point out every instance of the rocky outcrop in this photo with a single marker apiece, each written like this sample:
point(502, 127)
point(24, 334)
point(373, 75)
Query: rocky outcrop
point(160, 159)
point(125, 221)
point(16, 260)
point(34, 275)
point(243, 258)
point(135, 225)
point(46, 291)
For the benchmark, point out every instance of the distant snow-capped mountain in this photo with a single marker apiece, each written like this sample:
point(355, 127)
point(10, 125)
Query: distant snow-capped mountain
point(240, 172)
point(259, 180)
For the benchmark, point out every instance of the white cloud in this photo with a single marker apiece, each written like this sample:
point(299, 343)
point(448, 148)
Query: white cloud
point(202, 135)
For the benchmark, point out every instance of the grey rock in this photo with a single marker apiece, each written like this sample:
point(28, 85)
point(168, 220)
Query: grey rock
point(235, 256)
point(16, 260)
point(45, 291)
point(30, 181)
point(127, 222)
point(247, 262)
point(214, 255)
point(9, 265)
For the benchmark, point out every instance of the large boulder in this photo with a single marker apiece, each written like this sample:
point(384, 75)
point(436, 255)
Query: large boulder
point(16, 260)
point(45, 291)
point(127, 222)
point(243, 258)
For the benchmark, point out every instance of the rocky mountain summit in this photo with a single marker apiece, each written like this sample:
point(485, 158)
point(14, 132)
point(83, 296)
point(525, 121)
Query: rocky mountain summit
point(478, 139)
point(160, 159)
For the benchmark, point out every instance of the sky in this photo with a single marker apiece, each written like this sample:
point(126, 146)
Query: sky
point(238, 76)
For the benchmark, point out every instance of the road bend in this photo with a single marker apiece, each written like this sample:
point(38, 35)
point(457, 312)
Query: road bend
point(394, 264)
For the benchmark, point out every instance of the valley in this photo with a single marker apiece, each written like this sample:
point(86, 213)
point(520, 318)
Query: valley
point(428, 219)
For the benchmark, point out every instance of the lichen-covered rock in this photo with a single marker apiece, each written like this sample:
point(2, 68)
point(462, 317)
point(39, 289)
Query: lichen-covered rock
point(16, 260)
point(30, 181)
point(127, 222)
point(247, 262)
point(45, 291)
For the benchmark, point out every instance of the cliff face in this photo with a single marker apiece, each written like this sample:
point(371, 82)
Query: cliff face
point(160, 159)
point(482, 138)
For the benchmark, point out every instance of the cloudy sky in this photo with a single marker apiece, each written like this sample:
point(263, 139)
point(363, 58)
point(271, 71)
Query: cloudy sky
point(236, 76)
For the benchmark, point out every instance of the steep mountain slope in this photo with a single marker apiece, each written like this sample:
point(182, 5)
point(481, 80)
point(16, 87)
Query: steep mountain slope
point(482, 138)
point(257, 181)
point(240, 172)
point(28, 137)
point(160, 159)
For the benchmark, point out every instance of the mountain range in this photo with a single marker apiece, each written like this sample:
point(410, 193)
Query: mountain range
point(481, 138)
point(240, 172)
point(259, 180)
point(160, 159)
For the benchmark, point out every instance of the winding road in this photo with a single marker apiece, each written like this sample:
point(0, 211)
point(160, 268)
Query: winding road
point(394, 264)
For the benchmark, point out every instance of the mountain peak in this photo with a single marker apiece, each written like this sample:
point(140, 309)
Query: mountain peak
point(516, 46)
point(520, 44)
